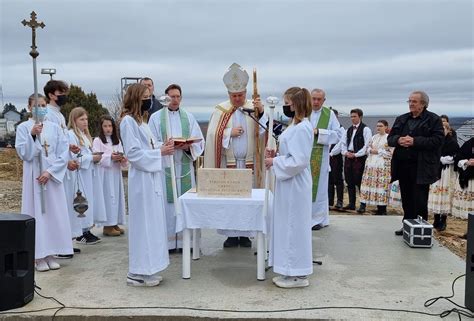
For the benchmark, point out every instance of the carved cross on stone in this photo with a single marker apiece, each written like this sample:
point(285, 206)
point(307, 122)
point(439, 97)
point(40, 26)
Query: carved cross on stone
point(33, 24)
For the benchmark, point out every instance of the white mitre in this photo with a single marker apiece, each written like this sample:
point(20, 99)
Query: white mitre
point(236, 79)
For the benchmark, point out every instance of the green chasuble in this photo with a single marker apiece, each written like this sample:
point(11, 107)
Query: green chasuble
point(185, 161)
point(317, 153)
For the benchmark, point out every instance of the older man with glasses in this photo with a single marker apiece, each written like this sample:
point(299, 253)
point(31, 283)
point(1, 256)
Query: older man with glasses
point(417, 137)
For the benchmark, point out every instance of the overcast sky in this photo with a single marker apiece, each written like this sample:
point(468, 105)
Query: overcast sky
point(367, 54)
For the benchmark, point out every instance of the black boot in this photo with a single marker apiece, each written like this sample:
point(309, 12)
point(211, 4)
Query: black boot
point(381, 210)
point(437, 221)
point(351, 190)
point(231, 242)
point(245, 241)
point(361, 209)
point(442, 225)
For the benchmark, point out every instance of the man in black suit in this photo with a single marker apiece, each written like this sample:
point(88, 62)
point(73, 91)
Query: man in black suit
point(417, 137)
point(155, 104)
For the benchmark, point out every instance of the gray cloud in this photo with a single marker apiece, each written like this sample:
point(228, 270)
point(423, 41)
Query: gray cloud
point(364, 53)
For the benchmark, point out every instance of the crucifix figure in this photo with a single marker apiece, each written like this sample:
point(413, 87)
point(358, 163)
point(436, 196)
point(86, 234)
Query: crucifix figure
point(46, 146)
point(33, 24)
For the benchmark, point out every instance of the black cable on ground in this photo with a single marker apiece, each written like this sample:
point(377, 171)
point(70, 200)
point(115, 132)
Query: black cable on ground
point(459, 310)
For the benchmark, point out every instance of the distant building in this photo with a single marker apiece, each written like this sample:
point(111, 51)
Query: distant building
point(12, 115)
point(465, 132)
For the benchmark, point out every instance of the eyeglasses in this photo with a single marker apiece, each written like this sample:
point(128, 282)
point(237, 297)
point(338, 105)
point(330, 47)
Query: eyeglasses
point(413, 101)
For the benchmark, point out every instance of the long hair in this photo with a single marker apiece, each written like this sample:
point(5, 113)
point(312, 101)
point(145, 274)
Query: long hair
point(132, 103)
point(73, 115)
point(114, 136)
point(301, 100)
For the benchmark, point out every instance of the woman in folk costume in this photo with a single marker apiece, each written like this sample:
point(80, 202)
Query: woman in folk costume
point(147, 236)
point(463, 200)
point(441, 192)
point(375, 185)
point(231, 141)
point(44, 142)
point(112, 162)
point(79, 135)
point(291, 240)
point(183, 125)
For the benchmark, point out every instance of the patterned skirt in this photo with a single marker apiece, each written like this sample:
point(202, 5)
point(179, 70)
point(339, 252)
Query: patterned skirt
point(441, 192)
point(374, 189)
point(463, 200)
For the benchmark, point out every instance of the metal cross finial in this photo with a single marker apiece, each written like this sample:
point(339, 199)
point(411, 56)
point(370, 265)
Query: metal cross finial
point(46, 146)
point(33, 24)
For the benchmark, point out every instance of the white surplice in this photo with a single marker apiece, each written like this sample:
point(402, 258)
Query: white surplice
point(175, 240)
point(327, 137)
point(83, 179)
point(53, 233)
point(291, 240)
point(113, 191)
point(147, 238)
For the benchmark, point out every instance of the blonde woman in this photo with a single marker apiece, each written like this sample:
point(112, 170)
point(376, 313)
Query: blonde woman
point(79, 135)
point(291, 241)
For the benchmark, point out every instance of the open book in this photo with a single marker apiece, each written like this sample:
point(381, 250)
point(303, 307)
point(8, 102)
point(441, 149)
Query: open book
point(183, 141)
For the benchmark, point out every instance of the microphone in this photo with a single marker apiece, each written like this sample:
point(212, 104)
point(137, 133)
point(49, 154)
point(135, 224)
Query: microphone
point(248, 110)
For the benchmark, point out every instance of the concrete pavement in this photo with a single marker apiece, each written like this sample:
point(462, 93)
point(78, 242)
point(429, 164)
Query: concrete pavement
point(364, 265)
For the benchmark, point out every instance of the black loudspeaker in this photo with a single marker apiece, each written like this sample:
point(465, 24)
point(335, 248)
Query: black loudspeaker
point(17, 255)
point(469, 298)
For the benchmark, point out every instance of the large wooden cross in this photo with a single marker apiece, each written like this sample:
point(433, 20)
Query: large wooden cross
point(33, 24)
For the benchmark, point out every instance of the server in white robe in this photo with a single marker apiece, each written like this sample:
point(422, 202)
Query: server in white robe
point(79, 136)
point(182, 125)
point(53, 233)
point(230, 139)
point(112, 162)
point(147, 236)
point(291, 240)
point(326, 133)
point(56, 94)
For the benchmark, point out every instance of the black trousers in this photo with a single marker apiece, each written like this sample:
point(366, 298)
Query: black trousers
point(353, 171)
point(414, 196)
point(335, 179)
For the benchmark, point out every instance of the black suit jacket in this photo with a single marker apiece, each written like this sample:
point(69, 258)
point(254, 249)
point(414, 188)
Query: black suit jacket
point(428, 138)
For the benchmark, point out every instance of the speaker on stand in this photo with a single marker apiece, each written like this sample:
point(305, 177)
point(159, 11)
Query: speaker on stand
point(17, 255)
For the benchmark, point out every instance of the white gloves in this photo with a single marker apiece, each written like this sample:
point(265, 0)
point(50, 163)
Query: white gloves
point(446, 160)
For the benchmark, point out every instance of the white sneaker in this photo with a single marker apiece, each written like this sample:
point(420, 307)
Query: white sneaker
point(292, 282)
point(41, 265)
point(278, 278)
point(157, 277)
point(142, 280)
point(53, 265)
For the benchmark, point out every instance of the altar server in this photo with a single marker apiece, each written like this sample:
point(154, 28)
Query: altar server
point(148, 246)
point(112, 162)
point(84, 179)
point(291, 241)
point(53, 234)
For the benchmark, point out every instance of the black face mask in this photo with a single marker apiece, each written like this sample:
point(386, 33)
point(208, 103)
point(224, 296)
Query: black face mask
point(288, 112)
point(62, 100)
point(146, 104)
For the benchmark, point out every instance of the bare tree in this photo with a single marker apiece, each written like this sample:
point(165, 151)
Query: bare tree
point(114, 105)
